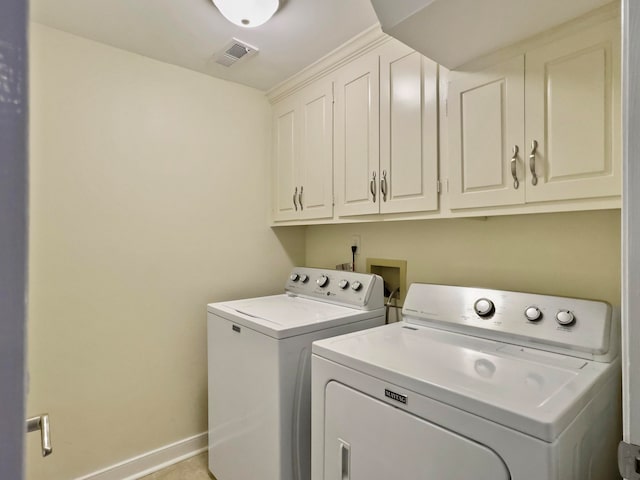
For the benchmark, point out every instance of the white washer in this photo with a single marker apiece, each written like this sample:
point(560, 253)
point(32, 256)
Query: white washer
point(474, 383)
point(259, 369)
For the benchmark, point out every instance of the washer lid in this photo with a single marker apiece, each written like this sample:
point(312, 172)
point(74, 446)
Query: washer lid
point(532, 391)
point(286, 315)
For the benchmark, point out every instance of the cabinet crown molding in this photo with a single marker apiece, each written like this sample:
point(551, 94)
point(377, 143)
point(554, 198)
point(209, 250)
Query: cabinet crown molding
point(359, 45)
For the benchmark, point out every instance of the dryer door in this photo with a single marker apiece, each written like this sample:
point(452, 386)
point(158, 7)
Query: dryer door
point(366, 439)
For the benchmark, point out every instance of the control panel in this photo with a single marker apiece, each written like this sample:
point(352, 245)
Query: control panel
point(358, 290)
point(578, 327)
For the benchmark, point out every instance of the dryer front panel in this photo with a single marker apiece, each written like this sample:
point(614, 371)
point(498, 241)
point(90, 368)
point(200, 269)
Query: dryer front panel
point(366, 439)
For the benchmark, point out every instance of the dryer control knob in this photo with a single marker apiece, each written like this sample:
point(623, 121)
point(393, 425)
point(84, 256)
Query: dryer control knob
point(294, 277)
point(533, 314)
point(565, 317)
point(484, 307)
point(355, 286)
point(343, 284)
point(304, 278)
point(323, 281)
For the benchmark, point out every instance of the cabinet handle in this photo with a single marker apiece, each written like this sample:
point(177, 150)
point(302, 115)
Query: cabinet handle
point(372, 187)
point(345, 454)
point(295, 204)
point(383, 185)
point(300, 199)
point(514, 170)
point(532, 162)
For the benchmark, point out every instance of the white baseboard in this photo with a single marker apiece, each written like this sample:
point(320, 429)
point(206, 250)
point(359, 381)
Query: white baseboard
point(152, 461)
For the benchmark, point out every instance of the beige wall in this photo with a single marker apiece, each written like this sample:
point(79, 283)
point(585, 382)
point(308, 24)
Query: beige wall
point(148, 188)
point(570, 254)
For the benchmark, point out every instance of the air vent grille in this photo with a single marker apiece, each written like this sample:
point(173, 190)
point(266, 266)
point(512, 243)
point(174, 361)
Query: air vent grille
point(237, 51)
point(233, 52)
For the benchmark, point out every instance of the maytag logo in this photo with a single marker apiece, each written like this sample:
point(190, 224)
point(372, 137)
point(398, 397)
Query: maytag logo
point(395, 396)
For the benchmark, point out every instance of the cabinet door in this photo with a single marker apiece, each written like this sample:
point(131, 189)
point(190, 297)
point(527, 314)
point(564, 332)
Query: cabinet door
point(486, 122)
point(572, 112)
point(356, 151)
point(408, 131)
point(315, 172)
point(284, 184)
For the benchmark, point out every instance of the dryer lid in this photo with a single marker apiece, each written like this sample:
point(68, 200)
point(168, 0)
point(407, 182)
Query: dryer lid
point(532, 391)
point(286, 315)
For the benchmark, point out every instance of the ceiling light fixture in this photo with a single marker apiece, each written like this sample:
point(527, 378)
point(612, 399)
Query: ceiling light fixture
point(247, 13)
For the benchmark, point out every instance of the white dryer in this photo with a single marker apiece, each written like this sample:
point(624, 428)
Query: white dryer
point(474, 383)
point(259, 369)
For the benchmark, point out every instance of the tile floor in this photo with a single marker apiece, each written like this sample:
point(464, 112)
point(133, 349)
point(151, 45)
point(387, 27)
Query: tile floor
point(194, 468)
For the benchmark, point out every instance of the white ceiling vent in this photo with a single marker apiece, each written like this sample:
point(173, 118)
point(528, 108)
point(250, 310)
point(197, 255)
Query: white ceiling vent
point(233, 52)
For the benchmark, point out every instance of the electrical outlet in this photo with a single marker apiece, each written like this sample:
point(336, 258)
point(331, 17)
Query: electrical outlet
point(355, 241)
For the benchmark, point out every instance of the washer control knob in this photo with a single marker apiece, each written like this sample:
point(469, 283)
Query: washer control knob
point(304, 278)
point(533, 314)
point(565, 317)
point(355, 286)
point(484, 307)
point(343, 284)
point(294, 277)
point(323, 281)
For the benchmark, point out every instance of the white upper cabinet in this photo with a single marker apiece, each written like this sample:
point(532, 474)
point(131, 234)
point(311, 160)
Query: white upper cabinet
point(357, 137)
point(303, 156)
point(386, 133)
point(408, 131)
point(315, 197)
point(549, 119)
point(284, 183)
point(532, 128)
point(573, 116)
point(486, 135)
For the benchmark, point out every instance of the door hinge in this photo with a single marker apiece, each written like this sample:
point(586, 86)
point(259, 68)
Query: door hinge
point(438, 186)
point(446, 107)
point(629, 461)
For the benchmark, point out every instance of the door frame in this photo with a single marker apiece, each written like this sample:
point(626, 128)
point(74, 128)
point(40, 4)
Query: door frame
point(631, 221)
point(13, 234)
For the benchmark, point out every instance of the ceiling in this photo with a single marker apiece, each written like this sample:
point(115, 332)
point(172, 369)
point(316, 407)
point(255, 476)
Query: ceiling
point(189, 32)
